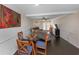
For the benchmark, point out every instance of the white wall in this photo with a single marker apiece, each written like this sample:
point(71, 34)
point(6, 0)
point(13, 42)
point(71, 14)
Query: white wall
point(8, 36)
point(69, 28)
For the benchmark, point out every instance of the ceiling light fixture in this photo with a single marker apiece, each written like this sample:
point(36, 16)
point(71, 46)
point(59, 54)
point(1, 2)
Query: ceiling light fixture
point(36, 4)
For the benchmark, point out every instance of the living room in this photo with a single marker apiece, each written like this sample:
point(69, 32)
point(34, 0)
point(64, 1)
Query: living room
point(64, 15)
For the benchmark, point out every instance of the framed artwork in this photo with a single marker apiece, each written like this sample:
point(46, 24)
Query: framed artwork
point(9, 18)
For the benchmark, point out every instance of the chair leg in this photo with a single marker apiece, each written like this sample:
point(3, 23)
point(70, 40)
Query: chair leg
point(32, 53)
point(36, 51)
point(46, 51)
point(18, 52)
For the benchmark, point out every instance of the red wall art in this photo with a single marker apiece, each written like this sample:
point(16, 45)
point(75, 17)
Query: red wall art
point(9, 18)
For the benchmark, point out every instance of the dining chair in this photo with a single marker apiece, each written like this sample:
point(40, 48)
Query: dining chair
point(25, 47)
point(22, 36)
point(32, 41)
point(42, 45)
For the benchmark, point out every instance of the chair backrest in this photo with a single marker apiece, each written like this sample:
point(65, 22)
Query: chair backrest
point(21, 43)
point(20, 35)
point(46, 38)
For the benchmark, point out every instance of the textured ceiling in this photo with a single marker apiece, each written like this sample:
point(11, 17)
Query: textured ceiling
point(47, 8)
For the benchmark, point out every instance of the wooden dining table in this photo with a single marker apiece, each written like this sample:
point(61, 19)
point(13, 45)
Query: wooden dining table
point(33, 39)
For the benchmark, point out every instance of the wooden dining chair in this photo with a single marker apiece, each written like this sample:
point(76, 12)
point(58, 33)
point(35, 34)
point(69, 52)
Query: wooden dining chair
point(31, 38)
point(25, 47)
point(41, 46)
